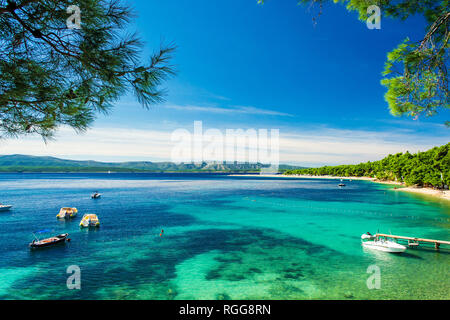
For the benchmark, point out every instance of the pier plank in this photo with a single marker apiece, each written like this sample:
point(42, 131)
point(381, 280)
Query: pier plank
point(437, 243)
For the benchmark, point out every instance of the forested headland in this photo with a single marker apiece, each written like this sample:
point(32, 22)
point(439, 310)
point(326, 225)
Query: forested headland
point(425, 169)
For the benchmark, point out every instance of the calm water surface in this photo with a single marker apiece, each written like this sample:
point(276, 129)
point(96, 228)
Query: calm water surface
point(224, 238)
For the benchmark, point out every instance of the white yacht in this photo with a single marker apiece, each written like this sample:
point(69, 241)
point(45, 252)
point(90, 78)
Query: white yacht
point(373, 242)
point(5, 207)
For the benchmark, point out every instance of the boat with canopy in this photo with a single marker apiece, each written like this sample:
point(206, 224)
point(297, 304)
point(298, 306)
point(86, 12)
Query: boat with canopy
point(89, 220)
point(67, 213)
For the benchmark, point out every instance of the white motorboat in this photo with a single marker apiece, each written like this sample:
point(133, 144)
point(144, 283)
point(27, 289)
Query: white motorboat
point(67, 213)
point(96, 195)
point(373, 242)
point(89, 220)
point(5, 207)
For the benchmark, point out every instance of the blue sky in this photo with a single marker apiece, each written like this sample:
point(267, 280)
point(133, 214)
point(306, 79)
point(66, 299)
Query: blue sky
point(244, 65)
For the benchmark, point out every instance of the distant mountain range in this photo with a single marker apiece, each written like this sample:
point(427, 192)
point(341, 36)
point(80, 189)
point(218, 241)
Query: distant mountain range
point(25, 163)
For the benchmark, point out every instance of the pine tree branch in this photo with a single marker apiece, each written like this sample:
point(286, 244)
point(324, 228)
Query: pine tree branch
point(12, 6)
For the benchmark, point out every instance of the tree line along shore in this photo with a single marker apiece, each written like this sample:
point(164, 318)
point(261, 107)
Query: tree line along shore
point(429, 169)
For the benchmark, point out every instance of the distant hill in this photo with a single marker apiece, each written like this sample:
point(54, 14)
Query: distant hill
point(25, 163)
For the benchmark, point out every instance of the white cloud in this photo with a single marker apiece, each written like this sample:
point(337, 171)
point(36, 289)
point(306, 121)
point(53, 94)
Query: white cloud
point(336, 146)
point(98, 143)
point(232, 110)
point(308, 147)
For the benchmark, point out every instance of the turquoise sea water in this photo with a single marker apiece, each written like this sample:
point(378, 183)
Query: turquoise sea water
point(224, 238)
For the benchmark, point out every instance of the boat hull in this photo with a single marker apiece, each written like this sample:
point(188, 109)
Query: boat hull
point(59, 239)
point(5, 208)
point(67, 216)
point(90, 225)
point(385, 247)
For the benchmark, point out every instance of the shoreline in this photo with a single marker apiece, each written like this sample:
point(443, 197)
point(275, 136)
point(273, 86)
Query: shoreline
point(439, 194)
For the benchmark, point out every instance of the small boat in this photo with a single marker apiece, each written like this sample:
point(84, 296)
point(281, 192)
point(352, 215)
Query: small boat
point(67, 213)
point(37, 243)
point(5, 207)
point(373, 242)
point(341, 184)
point(89, 220)
point(96, 195)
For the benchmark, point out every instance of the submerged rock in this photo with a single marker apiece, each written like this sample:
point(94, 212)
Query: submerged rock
point(223, 296)
point(348, 295)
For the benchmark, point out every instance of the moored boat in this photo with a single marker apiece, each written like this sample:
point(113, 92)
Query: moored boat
point(373, 242)
point(89, 220)
point(5, 207)
point(96, 195)
point(67, 213)
point(59, 239)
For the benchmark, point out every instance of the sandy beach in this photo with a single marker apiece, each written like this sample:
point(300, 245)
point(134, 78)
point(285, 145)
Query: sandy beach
point(299, 176)
point(441, 194)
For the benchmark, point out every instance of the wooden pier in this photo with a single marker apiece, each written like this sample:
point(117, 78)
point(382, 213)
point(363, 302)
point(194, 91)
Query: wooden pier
point(413, 242)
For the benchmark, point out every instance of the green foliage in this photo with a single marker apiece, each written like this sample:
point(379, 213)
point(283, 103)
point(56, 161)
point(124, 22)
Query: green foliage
point(51, 75)
point(422, 168)
point(415, 74)
point(423, 86)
